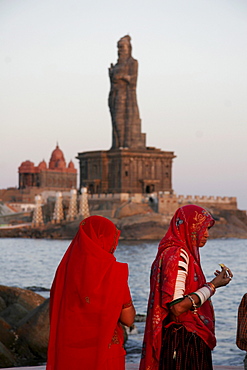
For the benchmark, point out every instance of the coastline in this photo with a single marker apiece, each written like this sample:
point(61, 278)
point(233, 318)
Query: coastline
point(147, 226)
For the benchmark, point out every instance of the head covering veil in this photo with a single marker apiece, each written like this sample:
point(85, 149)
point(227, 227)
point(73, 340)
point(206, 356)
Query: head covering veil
point(186, 230)
point(86, 298)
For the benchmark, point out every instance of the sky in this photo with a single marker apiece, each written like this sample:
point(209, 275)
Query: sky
point(191, 90)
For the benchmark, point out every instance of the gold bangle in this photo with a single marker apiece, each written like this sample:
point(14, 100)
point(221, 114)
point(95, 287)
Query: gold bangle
point(211, 286)
point(193, 303)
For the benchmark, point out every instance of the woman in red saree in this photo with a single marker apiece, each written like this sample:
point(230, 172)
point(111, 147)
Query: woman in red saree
point(179, 331)
point(89, 299)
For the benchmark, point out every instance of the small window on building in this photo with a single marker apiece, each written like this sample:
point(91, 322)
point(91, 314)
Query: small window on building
point(149, 189)
point(91, 189)
point(126, 173)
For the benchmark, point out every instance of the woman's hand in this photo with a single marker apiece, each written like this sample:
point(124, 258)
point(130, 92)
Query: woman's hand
point(127, 316)
point(223, 277)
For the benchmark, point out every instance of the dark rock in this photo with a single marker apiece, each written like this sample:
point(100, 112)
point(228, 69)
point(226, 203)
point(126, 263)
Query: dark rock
point(37, 289)
point(6, 357)
point(33, 330)
point(2, 304)
point(140, 318)
point(29, 300)
point(24, 327)
point(14, 313)
point(7, 335)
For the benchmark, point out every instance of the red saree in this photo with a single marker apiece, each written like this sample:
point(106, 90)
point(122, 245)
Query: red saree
point(87, 295)
point(186, 230)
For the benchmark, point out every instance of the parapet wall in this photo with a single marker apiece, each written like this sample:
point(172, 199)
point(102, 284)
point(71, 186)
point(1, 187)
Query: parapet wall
point(168, 203)
point(209, 201)
point(122, 197)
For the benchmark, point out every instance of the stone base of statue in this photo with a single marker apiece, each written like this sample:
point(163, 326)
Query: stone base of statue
point(126, 171)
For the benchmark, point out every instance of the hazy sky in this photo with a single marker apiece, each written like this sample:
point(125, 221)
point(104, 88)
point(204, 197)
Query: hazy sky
point(192, 84)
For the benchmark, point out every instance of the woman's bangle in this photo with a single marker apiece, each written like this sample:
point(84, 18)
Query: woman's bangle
point(211, 286)
point(193, 303)
point(204, 293)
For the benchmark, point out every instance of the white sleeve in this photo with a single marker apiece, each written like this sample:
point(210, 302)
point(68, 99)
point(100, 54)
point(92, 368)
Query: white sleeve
point(181, 275)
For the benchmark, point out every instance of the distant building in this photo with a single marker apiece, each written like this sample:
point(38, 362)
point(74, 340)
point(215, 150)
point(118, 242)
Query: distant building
point(57, 175)
point(42, 179)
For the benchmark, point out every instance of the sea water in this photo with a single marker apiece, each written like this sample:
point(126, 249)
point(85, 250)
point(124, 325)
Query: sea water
point(32, 263)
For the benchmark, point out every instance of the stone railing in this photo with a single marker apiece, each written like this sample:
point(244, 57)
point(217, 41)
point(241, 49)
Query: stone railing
point(213, 201)
point(124, 197)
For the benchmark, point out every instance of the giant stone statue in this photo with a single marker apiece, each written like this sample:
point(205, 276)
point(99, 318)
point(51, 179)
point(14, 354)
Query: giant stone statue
point(129, 167)
point(126, 122)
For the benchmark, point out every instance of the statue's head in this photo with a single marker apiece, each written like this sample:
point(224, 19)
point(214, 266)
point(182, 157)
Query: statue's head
point(124, 47)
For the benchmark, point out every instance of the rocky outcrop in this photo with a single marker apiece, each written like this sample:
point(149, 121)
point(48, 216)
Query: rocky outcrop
point(137, 222)
point(24, 327)
point(152, 226)
point(33, 332)
point(229, 224)
point(129, 209)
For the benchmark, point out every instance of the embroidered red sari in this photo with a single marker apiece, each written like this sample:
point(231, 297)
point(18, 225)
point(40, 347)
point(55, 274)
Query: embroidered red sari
point(87, 295)
point(186, 229)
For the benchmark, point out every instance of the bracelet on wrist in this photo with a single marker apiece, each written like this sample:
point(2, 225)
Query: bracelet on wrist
point(211, 286)
point(194, 306)
point(203, 293)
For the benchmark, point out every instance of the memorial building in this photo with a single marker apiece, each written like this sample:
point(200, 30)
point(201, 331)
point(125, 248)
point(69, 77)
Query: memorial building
point(57, 175)
point(129, 166)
